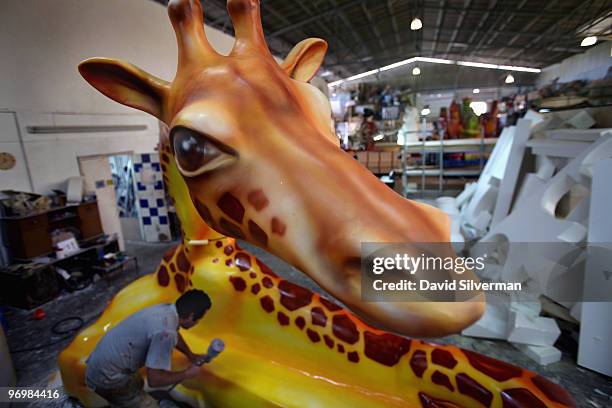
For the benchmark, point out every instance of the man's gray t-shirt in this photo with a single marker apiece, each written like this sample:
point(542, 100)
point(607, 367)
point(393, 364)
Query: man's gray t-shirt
point(144, 339)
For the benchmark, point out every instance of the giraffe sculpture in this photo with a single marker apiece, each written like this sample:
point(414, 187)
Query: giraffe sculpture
point(285, 346)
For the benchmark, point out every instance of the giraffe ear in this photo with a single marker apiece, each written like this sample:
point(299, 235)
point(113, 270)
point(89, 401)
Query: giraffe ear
point(126, 84)
point(305, 59)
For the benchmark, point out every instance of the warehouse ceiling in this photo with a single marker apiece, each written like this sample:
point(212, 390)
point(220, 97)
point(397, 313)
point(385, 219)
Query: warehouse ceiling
point(366, 34)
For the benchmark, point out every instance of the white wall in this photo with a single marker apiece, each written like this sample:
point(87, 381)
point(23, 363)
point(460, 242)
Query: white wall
point(590, 65)
point(41, 44)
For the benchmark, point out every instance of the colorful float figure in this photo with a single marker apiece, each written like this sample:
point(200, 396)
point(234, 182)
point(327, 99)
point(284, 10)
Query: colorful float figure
point(247, 154)
point(455, 127)
point(469, 120)
point(490, 121)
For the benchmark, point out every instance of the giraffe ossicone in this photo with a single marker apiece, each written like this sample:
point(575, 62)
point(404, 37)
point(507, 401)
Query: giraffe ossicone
point(247, 152)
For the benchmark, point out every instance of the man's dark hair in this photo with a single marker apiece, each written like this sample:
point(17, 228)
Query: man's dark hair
point(193, 301)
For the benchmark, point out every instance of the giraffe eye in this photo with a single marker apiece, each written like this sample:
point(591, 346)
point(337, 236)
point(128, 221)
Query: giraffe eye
point(195, 153)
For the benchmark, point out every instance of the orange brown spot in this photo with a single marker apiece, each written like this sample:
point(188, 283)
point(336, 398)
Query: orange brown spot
point(472, 388)
point(238, 282)
point(385, 348)
point(443, 357)
point(243, 261)
point(442, 379)
point(313, 335)
point(267, 303)
point(257, 199)
point(498, 370)
point(231, 206)
point(255, 288)
point(519, 398)
point(259, 235)
point(180, 282)
point(353, 357)
point(345, 329)
point(162, 276)
point(283, 319)
point(278, 227)
point(318, 317)
point(553, 391)
point(293, 296)
point(418, 363)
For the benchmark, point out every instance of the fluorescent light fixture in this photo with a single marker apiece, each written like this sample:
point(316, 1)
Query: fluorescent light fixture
point(588, 41)
point(363, 74)
point(439, 95)
point(476, 91)
point(434, 60)
point(398, 64)
point(519, 69)
point(417, 70)
point(477, 64)
point(378, 137)
point(326, 73)
point(544, 110)
point(425, 111)
point(509, 79)
point(416, 24)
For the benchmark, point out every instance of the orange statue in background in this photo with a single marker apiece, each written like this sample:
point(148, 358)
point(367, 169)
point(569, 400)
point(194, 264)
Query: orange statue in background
point(249, 154)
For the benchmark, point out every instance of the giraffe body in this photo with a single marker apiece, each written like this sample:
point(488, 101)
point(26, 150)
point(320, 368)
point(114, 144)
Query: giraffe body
point(285, 346)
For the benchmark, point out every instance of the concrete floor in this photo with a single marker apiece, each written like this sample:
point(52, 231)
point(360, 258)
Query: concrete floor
point(35, 348)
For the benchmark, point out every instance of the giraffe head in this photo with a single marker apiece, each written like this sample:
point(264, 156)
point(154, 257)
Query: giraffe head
point(253, 142)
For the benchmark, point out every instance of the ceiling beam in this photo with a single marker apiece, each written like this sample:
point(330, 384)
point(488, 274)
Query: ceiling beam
point(439, 23)
point(317, 17)
point(459, 24)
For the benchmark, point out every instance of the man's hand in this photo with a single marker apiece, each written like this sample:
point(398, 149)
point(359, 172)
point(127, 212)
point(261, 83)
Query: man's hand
point(191, 371)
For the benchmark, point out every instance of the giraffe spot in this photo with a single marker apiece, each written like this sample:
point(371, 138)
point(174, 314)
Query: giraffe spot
point(418, 363)
point(267, 282)
point(385, 348)
point(228, 250)
point(190, 282)
point(428, 401)
point(180, 282)
point(215, 260)
point(228, 262)
point(498, 370)
point(519, 398)
point(162, 276)
point(283, 319)
point(442, 379)
point(255, 288)
point(472, 388)
point(259, 235)
point(313, 335)
point(164, 168)
point(553, 391)
point(340, 348)
point(300, 322)
point(243, 261)
point(165, 158)
point(204, 212)
point(173, 267)
point(318, 317)
point(443, 357)
point(353, 357)
point(345, 329)
point(238, 247)
point(238, 282)
point(182, 262)
point(231, 206)
point(267, 304)
point(329, 342)
point(258, 199)
point(265, 269)
point(169, 254)
point(278, 227)
point(230, 229)
point(218, 244)
point(293, 296)
point(252, 275)
point(331, 306)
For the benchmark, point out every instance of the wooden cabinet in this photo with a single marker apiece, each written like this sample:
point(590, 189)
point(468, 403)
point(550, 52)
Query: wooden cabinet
point(30, 236)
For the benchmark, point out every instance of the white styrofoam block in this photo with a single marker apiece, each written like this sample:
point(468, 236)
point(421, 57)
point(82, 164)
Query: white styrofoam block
point(542, 355)
point(539, 331)
point(594, 351)
point(512, 170)
point(493, 322)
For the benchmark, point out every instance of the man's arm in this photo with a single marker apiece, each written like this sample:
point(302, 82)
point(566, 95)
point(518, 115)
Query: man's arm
point(184, 348)
point(161, 378)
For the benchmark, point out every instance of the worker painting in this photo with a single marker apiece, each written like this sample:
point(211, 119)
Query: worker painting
point(145, 339)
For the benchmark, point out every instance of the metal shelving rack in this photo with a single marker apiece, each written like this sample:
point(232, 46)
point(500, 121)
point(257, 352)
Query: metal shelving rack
point(442, 146)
